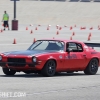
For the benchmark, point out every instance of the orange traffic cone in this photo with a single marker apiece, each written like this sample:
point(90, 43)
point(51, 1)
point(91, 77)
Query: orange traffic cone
point(34, 40)
point(98, 28)
point(89, 38)
point(47, 28)
point(31, 32)
point(91, 28)
point(26, 28)
point(14, 42)
point(73, 33)
point(1, 30)
point(90, 35)
point(84, 27)
point(71, 28)
point(71, 38)
point(60, 28)
point(36, 28)
point(57, 33)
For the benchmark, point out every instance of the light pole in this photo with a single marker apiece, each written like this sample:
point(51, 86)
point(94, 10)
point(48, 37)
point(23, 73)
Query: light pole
point(14, 21)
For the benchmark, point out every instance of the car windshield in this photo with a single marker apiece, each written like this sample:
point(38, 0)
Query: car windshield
point(47, 45)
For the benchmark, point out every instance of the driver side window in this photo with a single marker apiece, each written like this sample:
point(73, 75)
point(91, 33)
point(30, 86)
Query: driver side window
point(75, 47)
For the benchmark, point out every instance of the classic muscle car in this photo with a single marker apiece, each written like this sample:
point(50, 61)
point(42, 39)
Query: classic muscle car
point(49, 56)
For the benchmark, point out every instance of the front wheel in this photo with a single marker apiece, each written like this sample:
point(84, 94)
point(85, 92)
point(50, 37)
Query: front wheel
point(7, 71)
point(49, 69)
point(92, 67)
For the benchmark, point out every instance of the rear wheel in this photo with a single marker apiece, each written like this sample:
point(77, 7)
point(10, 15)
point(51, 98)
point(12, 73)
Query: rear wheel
point(7, 71)
point(49, 69)
point(92, 67)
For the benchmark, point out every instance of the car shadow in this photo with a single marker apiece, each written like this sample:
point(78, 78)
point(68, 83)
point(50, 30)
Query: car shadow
point(72, 74)
point(41, 76)
point(23, 75)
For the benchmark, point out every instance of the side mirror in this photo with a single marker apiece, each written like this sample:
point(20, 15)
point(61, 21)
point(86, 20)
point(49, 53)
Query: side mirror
point(69, 50)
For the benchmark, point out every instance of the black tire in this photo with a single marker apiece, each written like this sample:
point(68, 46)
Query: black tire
point(92, 67)
point(49, 69)
point(7, 71)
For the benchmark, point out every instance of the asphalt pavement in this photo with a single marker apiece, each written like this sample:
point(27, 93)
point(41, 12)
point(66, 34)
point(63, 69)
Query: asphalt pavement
point(76, 86)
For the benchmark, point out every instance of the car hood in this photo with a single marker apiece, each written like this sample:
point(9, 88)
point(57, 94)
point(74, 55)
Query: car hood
point(27, 52)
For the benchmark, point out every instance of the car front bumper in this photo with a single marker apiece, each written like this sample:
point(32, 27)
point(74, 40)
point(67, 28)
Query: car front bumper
point(13, 64)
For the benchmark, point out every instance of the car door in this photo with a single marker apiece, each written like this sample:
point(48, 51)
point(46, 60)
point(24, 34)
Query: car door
point(76, 57)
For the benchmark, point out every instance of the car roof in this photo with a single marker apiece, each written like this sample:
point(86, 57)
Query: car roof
point(63, 40)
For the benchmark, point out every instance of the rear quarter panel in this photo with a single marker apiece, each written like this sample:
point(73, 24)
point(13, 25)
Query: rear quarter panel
point(90, 54)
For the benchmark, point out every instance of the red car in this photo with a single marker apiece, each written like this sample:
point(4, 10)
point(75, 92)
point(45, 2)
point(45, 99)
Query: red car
point(49, 56)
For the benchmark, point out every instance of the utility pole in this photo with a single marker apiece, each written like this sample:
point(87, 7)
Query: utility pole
point(14, 21)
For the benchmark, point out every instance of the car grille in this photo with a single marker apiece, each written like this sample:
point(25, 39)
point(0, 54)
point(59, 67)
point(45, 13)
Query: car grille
point(17, 62)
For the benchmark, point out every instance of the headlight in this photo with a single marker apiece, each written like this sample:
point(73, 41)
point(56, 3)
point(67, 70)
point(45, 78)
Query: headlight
point(34, 59)
point(0, 57)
